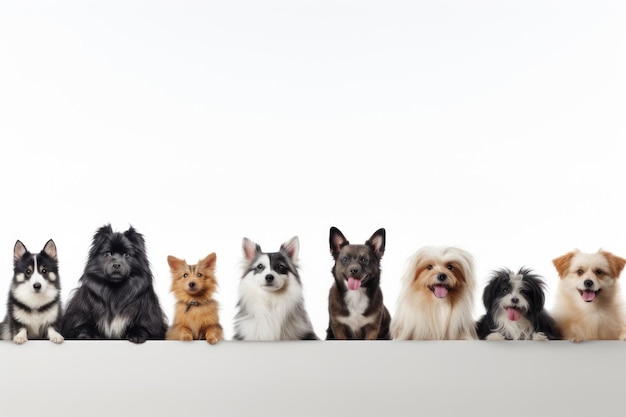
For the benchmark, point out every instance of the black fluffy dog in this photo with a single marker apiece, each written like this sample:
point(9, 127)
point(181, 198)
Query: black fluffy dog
point(116, 298)
point(515, 308)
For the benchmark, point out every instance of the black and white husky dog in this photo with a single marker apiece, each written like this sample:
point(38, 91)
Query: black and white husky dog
point(34, 306)
point(271, 302)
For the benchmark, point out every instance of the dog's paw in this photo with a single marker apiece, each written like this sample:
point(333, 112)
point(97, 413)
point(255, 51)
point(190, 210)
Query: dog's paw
point(212, 340)
point(186, 337)
point(539, 336)
point(495, 337)
point(57, 338)
point(622, 336)
point(576, 339)
point(19, 339)
point(137, 339)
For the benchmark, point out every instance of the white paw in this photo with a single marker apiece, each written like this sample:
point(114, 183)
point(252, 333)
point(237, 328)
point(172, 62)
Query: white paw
point(57, 338)
point(19, 339)
point(495, 337)
point(540, 336)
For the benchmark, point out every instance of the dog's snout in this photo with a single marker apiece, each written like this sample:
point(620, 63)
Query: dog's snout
point(442, 277)
point(269, 278)
point(354, 271)
point(192, 285)
point(588, 283)
point(37, 286)
point(116, 266)
point(515, 300)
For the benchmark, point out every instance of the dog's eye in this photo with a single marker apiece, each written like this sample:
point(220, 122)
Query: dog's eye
point(125, 254)
point(199, 275)
point(429, 267)
point(344, 260)
point(599, 272)
point(364, 260)
point(580, 272)
point(28, 273)
point(44, 271)
point(185, 275)
point(260, 267)
point(107, 254)
point(450, 267)
point(505, 290)
point(281, 269)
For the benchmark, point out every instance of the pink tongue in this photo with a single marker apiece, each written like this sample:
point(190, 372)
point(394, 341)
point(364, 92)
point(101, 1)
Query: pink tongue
point(589, 295)
point(512, 314)
point(354, 283)
point(440, 291)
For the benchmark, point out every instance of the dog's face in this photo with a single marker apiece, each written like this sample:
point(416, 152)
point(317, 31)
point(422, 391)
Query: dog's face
point(193, 281)
point(589, 277)
point(356, 265)
point(444, 272)
point(115, 256)
point(274, 271)
point(35, 275)
point(513, 295)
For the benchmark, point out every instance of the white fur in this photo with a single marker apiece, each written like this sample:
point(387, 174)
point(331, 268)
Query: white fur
point(36, 323)
point(113, 329)
point(521, 329)
point(356, 302)
point(419, 317)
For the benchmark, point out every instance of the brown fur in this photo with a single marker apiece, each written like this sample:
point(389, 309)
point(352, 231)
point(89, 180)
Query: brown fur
point(196, 312)
point(601, 319)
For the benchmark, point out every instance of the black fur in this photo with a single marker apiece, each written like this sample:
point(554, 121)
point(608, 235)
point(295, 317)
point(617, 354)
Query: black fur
point(117, 282)
point(533, 291)
point(361, 260)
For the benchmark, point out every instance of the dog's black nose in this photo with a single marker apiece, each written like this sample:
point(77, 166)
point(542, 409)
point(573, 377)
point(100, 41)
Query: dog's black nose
point(269, 278)
point(515, 300)
point(37, 285)
point(588, 283)
point(192, 285)
point(354, 271)
point(442, 277)
point(116, 266)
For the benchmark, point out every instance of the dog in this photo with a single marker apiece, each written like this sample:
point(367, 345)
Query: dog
point(588, 302)
point(355, 300)
point(34, 306)
point(196, 314)
point(271, 302)
point(436, 297)
point(116, 297)
point(514, 304)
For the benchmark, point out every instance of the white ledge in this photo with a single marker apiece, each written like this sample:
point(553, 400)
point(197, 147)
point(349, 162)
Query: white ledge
point(378, 378)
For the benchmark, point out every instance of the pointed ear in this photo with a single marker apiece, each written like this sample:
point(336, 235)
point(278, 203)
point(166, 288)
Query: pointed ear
point(19, 250)
point(104, 230)
point(563, 263)
point(377, 242)
point(250, 249)
point(291, 248)
point(175, 263)
point(615, 262)
point(50, 249)
point(208, 262)
point(337, 241)
point(134, 236)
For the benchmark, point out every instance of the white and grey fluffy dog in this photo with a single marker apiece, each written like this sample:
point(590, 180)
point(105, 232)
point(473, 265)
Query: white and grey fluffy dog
point(271, 302)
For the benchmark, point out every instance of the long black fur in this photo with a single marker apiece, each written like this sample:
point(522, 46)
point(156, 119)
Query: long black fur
point(117, 282)
point(533, 291)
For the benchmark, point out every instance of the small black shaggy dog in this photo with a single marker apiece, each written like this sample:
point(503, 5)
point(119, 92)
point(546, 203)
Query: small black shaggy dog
point(515, 308)
point(116, 299)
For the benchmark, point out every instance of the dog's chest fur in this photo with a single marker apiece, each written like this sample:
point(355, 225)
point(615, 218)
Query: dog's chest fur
point(356, 303)
point(113, 327)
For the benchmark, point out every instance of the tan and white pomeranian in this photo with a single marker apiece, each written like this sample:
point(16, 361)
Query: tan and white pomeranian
point(196, 312)
point(437, 296)
point(588, 303)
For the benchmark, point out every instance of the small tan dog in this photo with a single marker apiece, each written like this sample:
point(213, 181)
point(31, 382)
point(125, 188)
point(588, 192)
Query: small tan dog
point(196, 312)
point(588, 303)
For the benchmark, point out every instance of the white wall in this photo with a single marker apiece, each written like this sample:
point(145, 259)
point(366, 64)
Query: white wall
point(430, 378)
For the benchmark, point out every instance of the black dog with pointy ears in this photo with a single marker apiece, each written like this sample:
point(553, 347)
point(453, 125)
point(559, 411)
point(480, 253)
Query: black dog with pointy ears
point(515, 308)
point(355, 301)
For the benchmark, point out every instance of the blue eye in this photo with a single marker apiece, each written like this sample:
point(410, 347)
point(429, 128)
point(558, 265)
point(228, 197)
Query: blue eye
point(344, 260)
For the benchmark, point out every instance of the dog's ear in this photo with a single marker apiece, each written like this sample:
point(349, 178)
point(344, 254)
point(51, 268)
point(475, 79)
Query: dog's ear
point(50, 249)
point(337, 241)
point(104, 230)
point(563, 263)
point(291, 248)
point(377, 242)
point(175, 263)
point(136, 238)
point(250, 249)
point(616, 263)
point(208, 262)
point(19, 250)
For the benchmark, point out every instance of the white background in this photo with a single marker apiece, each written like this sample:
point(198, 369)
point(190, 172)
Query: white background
point(497, 126)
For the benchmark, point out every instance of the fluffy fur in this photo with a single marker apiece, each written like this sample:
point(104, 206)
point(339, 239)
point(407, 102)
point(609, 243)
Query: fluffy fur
point(115, 298)
point(355, 300)
point(514, 304)
point(436, 297)
point(271, 302)
point(196, 312)
point(588, 302)
point(34, 303)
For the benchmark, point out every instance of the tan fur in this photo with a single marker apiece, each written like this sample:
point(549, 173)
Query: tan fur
point(601, 319)
point(196, 312)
